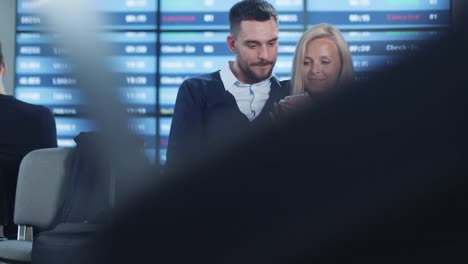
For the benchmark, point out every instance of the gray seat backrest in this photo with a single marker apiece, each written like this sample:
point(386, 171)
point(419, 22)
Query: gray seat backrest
point(40, 187)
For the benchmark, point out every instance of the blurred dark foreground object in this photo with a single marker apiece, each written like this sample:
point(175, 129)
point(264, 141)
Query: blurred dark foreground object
point(373, 174)
point(87, 205)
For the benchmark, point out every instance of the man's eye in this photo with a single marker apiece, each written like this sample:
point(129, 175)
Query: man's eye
point(251, 45)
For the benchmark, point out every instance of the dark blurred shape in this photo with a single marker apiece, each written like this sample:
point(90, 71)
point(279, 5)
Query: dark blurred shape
point(89, 194)
point(373, 174)
point(76, 25)
point(87, 203)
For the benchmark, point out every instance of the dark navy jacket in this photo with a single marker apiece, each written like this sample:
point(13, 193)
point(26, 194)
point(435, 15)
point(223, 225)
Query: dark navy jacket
point(25, 127)
point(205, 113)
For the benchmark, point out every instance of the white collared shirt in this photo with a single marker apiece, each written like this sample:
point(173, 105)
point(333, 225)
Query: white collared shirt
point(250, 98)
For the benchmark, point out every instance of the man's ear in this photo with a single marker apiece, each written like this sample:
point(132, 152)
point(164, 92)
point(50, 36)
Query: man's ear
point(231, 42)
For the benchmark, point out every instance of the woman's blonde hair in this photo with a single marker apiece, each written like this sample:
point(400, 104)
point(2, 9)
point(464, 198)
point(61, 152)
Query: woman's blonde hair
point(322, 30)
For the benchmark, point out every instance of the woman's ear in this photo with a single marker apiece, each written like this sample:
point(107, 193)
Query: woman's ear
point(2, 71)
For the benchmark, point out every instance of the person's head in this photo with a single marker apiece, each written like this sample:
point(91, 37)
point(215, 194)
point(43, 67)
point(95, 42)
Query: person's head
point(254, 39)
point(322, 61)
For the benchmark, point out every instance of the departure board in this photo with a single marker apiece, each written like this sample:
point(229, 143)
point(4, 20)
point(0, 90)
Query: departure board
point(116, 14)
point(144, 127)
point(214, 14)
point(164, 129)
point(381, 14)
point(374, 51)
point(154, 45)
point(45, 77)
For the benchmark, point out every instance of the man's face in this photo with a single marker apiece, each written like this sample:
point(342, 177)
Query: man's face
point(256, 49)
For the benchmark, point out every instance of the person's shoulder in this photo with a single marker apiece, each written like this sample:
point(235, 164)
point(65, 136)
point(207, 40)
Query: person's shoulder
point(204, 78)
point(35, 107)
point(26, 108)
point(285, 87)
point(285, 83)
point(202, 82)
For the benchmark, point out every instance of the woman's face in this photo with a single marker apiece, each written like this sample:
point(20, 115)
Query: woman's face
point(322, 65)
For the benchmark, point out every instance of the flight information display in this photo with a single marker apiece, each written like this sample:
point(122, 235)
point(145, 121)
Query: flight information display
point(115, 14)
point(44, 77)
point(374, 51)
point(187, 54)
point(214, 14)
point(381, 14)
point(164, 128)
point(154, 45)
point(69, 127)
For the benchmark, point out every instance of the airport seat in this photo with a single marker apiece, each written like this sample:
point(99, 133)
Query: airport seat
point(39, 194)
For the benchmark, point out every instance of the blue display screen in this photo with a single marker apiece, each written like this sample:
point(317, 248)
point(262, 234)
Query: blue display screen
point(164, 129)
point(214, 14)
point(155, 45)
point(144, 127)
point(373, 51)
point(115, 14)
point(384, 14)
point(44, 77)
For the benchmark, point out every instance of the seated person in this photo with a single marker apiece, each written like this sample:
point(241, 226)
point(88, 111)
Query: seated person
point(25, 127)
point(322, 62)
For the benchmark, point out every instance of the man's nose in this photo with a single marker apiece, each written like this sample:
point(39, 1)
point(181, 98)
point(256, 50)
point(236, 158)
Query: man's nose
point(263, 53)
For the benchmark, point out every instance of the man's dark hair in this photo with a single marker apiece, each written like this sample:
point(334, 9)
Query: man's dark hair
point(1, 55)
point(258, 10)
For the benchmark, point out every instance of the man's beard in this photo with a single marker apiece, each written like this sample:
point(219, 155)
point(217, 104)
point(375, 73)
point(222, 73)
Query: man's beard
point(252, 75)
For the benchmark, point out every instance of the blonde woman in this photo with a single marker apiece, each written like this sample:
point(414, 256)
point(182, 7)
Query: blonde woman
point(322, 62)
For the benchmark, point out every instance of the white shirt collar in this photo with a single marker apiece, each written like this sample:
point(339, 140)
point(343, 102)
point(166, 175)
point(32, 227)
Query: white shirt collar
point(227, 76)
point(250, 98)
point(229, 79)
